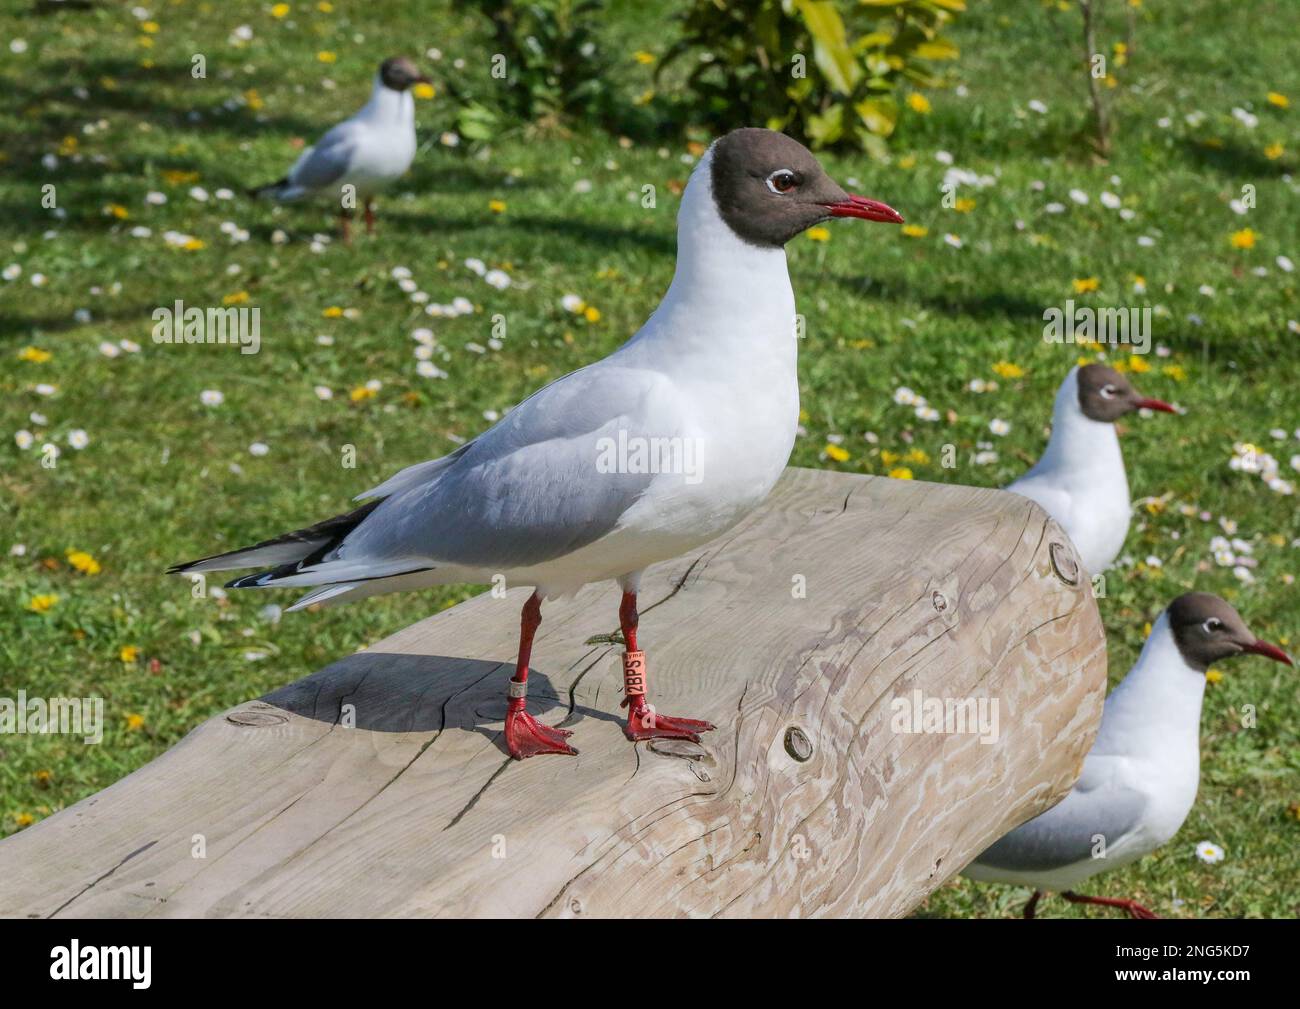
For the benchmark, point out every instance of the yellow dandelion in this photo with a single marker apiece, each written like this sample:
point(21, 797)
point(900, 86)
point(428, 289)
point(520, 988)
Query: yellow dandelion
point(1138, 365)
point(333, 312)
point(237, 298)
point(964, 205)
point(128, 653)
point(643, 57)
point(837, 453)
point(43, 776)
point(591, 313)
point(888, 457)
point(497, 206)
point(907, 161)
point(24, 819)
point(325, 56)
point(424, 91)
point(1274, 150)
point(279, 10)
point(253, 99)
point(193, 245)
point(151, 27)
point(1213, 676)
point(1006, 369)
point(134, 722)
point(325, 7)
point(361, 392)
point(901, 473)
point(117, 210)
point(83, 562)
point(1085, 284)
point(915, 231)
point(43, 602)
point(918, 455)
point(819, 234)
point(1243, 239)
point(918, 103)
point(35, 355)
point(1175, 371)
point(1280, 100)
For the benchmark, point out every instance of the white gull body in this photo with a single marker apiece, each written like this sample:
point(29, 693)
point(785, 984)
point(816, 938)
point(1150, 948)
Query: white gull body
point(715, 363)
point(1080, 480)
point(1138, 782)
point(369, 151)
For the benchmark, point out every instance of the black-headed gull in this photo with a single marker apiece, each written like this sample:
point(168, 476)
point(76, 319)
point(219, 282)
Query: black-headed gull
point(1080, 480)
point(637, 458)
point(367, 153)
point(1140, 778)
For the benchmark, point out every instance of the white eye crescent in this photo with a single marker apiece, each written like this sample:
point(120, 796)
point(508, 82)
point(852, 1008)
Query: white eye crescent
point(1108, 392)
point(1212, 625)
point(782, 181)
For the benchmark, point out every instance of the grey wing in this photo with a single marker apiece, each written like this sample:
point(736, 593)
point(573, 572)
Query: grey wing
point(1067, 833)
point(534, 487)
point(328, 161)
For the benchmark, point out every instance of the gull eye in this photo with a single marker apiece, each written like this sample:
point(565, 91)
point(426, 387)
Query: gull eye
point(782, 181)
point(1109, 392)
point(1212, 625)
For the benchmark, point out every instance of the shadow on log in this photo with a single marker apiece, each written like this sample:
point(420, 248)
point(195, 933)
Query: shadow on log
point(379, 786)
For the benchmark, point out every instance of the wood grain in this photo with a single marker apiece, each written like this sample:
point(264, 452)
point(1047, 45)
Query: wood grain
point(379, 786)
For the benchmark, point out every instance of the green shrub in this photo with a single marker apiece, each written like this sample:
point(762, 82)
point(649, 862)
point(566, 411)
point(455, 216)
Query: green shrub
point(754, 64)
point(547, 66)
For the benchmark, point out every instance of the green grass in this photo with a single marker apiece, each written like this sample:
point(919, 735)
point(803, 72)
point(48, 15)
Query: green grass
point(166, 478)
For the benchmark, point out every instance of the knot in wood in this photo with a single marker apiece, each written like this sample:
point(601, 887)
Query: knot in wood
point(1063, 563)
point(797, 744)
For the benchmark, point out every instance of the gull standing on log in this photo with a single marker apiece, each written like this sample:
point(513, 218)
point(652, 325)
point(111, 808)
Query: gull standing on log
point(1140, 778)
point(367, 152)
point(558, 493)
point(1080, 480)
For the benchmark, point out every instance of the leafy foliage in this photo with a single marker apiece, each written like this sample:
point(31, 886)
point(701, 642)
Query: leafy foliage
point(547, 65)
point(753, 64)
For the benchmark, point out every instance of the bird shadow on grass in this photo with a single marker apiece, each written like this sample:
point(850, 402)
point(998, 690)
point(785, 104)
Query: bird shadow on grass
point(987, 305)
point(388, 692)
point(566, 231)
point(1233, 160)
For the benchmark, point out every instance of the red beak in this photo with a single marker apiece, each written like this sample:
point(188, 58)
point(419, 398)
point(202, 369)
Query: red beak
point(1268, 651)
point(1155, 404)
point(868, 210)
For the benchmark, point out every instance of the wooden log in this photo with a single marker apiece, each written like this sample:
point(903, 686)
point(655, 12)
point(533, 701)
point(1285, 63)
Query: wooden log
point(379, 786)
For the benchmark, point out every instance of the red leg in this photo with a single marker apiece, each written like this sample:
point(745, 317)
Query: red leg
point(370, 217)
point(1032, 906)
point(1134, 909)
point(643, 722)
point(525, 735)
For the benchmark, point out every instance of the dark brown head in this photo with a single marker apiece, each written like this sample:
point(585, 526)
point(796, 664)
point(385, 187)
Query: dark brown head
point(1208, 630)
point(1106, 395)
point(399, 73)
point(769, 188)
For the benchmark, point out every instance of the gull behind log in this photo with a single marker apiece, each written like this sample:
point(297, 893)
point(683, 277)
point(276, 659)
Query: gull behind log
point(558, 493)
point(1140, 778)
point(1080, 480)
point(367, 152)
